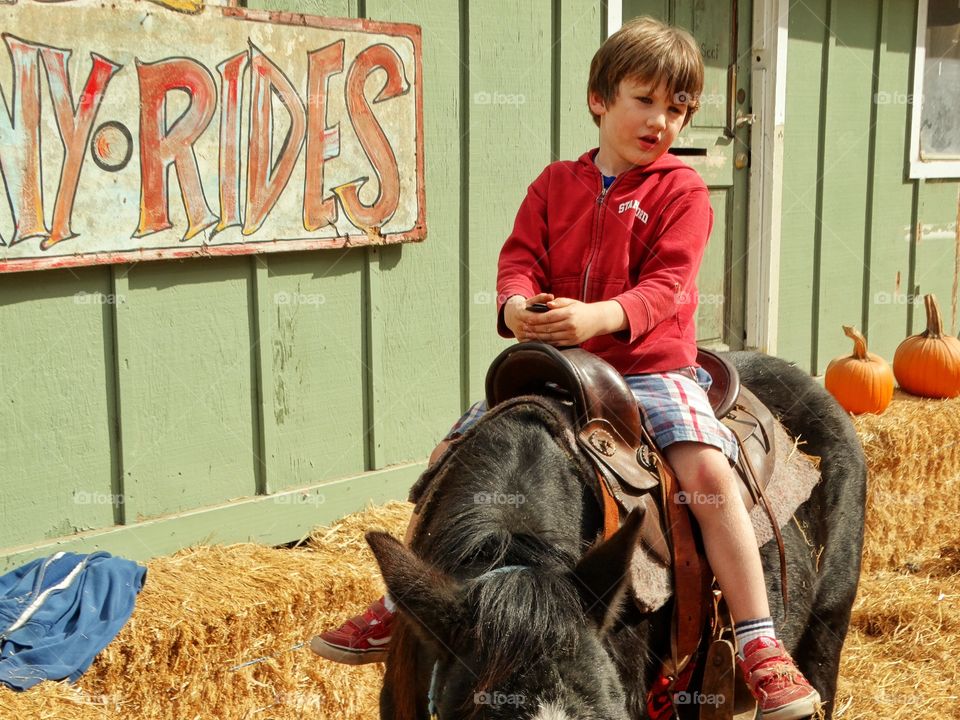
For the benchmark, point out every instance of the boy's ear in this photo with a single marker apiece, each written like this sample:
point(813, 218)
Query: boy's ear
point(596, 103)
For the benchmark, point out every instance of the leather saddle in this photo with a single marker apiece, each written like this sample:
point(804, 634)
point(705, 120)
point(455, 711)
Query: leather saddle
point(607, 424)
point(630, 471)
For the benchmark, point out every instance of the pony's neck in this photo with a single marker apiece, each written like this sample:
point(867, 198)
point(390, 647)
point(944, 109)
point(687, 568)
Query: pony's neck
point(512, 496)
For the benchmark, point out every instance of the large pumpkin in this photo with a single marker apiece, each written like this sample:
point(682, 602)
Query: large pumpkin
point(928, 364)
point(861, 382)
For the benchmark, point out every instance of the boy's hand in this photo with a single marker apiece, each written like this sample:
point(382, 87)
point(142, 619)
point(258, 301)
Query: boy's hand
point(571, 322)
point(515, 313)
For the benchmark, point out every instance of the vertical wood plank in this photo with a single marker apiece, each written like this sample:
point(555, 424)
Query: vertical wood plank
point(711, 279)
point(891, 215)
point(936, 252)
point(740, 248)
point(659, 9)
point(510, 132)
point(315, 391)
point(578, 26)
point(57, 405)
point(185, 376)
point(710, 23)
point(808, 30)
point(120, 289)
point(415, 311)
point(846, 151)
point(266, 436)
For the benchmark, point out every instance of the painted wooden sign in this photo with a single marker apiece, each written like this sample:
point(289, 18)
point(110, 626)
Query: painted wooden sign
point(132, 132)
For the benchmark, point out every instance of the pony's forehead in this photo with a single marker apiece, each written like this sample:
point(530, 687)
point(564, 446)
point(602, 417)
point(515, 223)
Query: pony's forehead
point(551, 711)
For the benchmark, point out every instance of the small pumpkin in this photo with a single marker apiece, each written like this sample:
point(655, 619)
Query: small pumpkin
point(928, 364)
point(861, 382)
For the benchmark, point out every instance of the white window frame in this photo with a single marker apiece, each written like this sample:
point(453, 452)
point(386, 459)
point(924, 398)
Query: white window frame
point(924, 168)
point(614, 16)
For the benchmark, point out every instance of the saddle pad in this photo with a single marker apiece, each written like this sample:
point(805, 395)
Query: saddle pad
point(794, 477)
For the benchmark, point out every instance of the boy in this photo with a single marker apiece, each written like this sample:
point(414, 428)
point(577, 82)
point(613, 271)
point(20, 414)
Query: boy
point(611, 244)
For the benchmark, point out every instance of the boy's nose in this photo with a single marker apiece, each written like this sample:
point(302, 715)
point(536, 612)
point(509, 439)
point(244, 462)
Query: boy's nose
point(657, 120)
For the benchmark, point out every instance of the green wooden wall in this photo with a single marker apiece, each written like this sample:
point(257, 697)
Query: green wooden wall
point(159, 404)
point(149, 406)
point(859, 238)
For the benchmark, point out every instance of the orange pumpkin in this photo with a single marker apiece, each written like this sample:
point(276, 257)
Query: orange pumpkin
point(862, 382)
point(928, 364)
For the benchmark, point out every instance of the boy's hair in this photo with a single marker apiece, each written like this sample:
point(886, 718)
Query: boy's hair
point(648, 49)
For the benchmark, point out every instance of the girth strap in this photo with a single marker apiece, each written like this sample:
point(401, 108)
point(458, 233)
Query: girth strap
point(692, 576)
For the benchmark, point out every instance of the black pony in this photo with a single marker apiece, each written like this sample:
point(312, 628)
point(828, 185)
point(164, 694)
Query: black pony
point(510, 609)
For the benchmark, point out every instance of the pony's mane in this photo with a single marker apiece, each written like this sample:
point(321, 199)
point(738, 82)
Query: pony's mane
point(495, 456)
point(522, 616)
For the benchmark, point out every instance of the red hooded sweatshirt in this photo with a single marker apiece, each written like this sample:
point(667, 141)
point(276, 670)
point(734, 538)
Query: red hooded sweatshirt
point(640, 243)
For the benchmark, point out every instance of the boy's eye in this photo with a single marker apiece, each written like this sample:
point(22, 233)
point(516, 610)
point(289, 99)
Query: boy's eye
point(644, 99)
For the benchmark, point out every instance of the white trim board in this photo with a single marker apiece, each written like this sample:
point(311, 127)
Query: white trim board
point(768, 79)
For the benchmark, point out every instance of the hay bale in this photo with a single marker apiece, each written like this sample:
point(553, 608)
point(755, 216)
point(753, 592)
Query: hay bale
point(913, 490)
point(900, 658)
point(54, 701)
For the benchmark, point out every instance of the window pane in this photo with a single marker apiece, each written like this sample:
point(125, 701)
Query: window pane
point(940, 115)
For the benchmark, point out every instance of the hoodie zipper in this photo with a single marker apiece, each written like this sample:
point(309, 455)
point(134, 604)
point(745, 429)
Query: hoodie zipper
point(596, 246)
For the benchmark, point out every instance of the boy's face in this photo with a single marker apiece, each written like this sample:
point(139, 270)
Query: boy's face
point(639, 125)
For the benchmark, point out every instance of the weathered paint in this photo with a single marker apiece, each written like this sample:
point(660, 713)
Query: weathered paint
point(413, 290)
point(344, 94)
point(57, 393)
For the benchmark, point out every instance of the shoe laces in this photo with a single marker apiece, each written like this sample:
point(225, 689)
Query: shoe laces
point(774, 674)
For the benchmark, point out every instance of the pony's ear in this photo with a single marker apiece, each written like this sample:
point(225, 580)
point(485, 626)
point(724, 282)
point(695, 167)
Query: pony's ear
point(603, 574)
point(426, 595)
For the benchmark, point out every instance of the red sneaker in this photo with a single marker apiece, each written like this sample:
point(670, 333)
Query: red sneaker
point(360, 640)
point(781, 690)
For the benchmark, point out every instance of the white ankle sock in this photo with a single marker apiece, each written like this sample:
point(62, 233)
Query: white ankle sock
point(388, 603)
point(751, 629)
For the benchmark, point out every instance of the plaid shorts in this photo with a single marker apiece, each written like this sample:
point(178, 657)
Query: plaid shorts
point(673, 408)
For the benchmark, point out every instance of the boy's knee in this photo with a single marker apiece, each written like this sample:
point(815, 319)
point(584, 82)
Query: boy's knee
point(701, 472)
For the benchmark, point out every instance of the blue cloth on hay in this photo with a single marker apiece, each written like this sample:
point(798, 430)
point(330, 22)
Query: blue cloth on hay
point(57, 613)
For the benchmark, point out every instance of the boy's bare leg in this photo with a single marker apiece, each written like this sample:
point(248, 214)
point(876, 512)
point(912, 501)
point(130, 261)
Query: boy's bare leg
point(705, 475)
